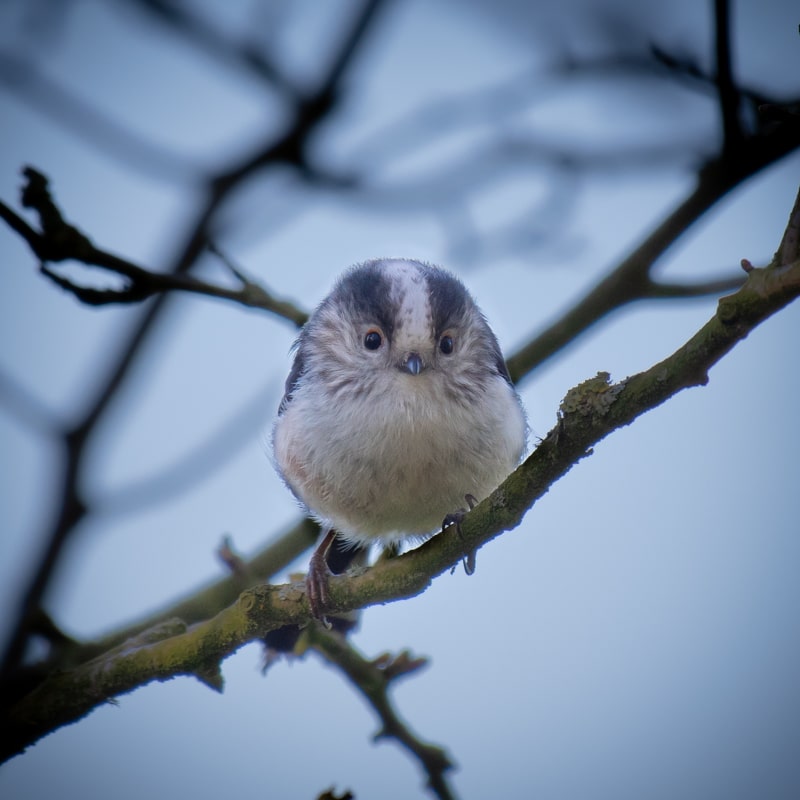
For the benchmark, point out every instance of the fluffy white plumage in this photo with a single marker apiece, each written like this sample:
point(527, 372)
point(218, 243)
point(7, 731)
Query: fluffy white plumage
point(398, 405)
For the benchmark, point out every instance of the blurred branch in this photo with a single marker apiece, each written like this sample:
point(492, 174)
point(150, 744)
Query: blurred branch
point(58, 241)
point(197, 463)
point(668, 291)
point(726, 85)
point(373, 680)
point(588, 413)
point(627, 282)
point(28, 409)
point(289, 148)
point(200, 604)
point(23, 78)
point(496, 106)
point(197, 31)
point(204, 603)
point(631, 279)
point(445, 188)
point(789, 249)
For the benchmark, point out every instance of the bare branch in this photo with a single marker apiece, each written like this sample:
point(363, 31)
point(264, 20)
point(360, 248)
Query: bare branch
point(229, 556)
point(60, 241)
point(373, 679)
point(203, 603)
point(20, 226)
point(195, 30)
point(789, 250)
point(631, 280)
point(195, 464)
point(72, 112)
point(256, 292)
point(670, 291)
point(26, 408)
point(729, 100)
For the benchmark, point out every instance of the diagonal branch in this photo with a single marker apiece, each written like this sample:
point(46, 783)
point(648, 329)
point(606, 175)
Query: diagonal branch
point(22, 78)
point(27, 408)
point(204, 603)
point(589, 413)
point(631, 279)
point(192, 27)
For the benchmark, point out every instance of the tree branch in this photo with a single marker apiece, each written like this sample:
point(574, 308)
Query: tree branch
point(27, 408)
point(630, 280)
point(59, 241)
point(196, 463)
point(588, 413)
point(203, 603)
point(23, 78)
point(726, 86)
point(670, 290)
point(207, 37)
point(373, 679)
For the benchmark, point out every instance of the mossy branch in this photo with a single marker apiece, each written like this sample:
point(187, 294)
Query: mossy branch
point(203, 603)
point(588, 414)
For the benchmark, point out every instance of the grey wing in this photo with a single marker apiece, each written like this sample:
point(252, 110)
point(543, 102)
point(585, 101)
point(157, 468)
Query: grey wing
point(500, 365)
point(298, 368)
point(497, 355)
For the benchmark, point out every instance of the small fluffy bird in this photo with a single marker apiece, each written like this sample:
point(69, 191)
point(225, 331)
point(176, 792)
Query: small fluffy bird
point(398, 407)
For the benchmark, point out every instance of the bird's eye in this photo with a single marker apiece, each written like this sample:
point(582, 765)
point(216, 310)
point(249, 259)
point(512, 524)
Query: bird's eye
point(446, 345)
point(373, 340)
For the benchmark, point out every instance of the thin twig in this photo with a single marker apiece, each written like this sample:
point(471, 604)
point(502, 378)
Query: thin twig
point(59, 241)
point(373, 680)
point(665, 290)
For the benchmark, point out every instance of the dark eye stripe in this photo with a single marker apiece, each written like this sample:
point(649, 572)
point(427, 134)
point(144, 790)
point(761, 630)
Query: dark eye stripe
point(366, 290)
point(449, 299)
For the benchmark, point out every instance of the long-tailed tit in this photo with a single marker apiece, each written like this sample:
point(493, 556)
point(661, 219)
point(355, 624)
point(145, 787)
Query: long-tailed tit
point(398, 406)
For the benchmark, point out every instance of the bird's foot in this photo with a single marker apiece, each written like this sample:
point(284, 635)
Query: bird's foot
point(456, 518)
point(317, 589)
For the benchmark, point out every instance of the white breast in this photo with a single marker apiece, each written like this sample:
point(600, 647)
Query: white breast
point(397, 473)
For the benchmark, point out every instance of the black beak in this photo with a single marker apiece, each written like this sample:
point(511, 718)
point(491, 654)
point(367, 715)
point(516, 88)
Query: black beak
point(412, 364)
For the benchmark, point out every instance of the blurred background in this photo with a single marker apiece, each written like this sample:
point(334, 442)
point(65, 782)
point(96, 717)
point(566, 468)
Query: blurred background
point(637, 636)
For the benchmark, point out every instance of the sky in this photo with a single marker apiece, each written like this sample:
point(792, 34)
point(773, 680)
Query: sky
point(637, 635)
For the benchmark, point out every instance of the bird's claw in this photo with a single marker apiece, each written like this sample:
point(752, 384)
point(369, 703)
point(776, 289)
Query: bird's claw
point(456, 518)
point(317, 590)
point(317, 587)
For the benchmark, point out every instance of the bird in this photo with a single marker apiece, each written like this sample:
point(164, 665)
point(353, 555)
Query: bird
point(397, 408)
